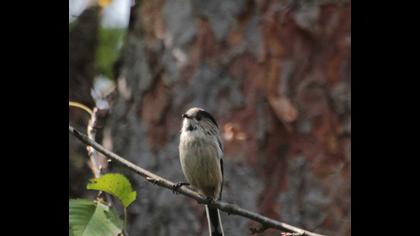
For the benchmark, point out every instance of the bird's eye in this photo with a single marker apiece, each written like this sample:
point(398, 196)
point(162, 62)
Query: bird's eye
point(198, 117)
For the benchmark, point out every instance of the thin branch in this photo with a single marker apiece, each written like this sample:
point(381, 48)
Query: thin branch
point(91, 132)
point(226, 207)
point(81, 106)
point(95, 123)
point(97, 162)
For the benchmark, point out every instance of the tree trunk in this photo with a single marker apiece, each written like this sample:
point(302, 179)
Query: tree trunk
point(275, 74)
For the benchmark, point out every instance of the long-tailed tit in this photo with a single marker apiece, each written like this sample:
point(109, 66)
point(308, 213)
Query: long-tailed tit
point(201, 156)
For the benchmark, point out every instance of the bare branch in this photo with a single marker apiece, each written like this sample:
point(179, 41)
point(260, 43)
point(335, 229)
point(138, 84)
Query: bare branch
point(226, 207)
point(95, 123)
point(91, 132)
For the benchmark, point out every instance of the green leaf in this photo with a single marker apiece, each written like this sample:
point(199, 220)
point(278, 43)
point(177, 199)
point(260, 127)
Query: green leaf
point(88, 218)
point(116, 185)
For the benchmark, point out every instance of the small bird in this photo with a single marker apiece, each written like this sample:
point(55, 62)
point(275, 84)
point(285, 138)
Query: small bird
point(201, 156)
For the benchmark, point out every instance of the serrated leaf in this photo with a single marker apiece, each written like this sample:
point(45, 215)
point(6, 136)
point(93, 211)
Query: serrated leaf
point(88, 218)
point(115, 184)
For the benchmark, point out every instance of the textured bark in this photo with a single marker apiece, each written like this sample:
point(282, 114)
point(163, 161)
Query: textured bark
point(275, 74)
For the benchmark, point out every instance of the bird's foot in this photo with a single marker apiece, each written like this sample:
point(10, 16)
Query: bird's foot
point(209, 200)
point(176, 186)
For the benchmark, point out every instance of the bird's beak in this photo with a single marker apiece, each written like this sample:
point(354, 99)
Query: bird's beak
point(185, 116)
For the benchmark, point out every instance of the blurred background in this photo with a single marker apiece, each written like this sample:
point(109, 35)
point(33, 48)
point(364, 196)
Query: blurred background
point(275, 74)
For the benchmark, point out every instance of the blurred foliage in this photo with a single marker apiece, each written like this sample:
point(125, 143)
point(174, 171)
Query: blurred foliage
point(71, 25)
point(104, 3)
point(110, 42)
point(108, 48)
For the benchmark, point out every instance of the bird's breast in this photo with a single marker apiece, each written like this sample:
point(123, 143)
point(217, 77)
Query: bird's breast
point(200, 163)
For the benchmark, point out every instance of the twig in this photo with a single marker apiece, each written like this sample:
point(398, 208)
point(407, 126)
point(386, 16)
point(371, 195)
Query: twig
point(95, 123)
point(91, 132)
point(81, 106)
point(226, 207)
point(96, 163)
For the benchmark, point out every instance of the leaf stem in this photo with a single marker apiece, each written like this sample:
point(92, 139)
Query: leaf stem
point(125, 218)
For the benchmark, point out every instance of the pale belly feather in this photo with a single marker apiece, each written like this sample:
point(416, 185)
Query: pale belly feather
point(202, 167)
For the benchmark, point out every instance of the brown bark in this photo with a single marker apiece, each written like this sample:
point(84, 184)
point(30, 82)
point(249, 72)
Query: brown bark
point(275, 75)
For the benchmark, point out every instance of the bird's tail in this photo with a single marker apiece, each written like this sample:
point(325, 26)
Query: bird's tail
point(215, 223)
